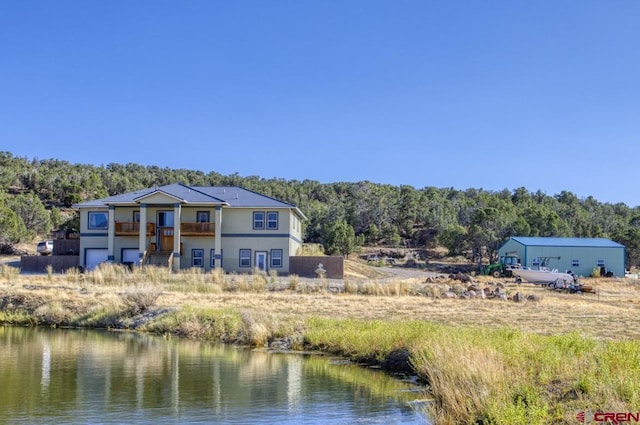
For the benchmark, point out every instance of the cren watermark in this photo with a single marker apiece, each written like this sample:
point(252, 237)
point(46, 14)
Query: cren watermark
point(608, 417)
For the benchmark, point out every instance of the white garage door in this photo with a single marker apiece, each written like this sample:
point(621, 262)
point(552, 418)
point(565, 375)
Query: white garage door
point(93, 257)
point(130, 255)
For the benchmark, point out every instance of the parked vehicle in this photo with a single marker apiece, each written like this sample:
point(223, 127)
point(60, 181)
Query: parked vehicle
point(45, 247)
point(504, 267)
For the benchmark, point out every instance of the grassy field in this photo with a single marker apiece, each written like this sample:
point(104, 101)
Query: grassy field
point(484, 360)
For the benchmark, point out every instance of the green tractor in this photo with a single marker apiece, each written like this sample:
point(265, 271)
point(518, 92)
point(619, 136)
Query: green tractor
point(503, 267)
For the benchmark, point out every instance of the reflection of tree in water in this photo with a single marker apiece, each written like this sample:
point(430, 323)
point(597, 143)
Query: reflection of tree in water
point(62, 371)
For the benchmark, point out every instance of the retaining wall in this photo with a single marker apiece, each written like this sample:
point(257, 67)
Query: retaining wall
point(39, 263)
point(306, 266)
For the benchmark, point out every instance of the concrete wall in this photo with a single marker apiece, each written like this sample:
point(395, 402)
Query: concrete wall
point(306, 266)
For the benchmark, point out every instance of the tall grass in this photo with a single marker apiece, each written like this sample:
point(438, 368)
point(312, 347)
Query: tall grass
point(9, 273)
point(496, 376)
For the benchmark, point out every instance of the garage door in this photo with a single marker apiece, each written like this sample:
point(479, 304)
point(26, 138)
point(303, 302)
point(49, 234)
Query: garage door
point(93, 257)
point(130, 255)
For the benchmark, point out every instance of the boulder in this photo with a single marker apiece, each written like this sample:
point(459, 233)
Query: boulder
point(518, 297)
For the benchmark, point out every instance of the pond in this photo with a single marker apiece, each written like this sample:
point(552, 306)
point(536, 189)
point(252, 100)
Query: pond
point(97, 377)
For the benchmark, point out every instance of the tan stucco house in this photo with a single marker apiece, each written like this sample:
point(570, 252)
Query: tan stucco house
point(185, 226)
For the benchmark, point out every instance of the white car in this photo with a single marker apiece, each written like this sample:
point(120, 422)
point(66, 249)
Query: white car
point(45, 247)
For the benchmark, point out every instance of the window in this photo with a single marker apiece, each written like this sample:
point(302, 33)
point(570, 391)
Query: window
point(165, 218)
point(575, 263)
point(136, 216)
point(535, 262)
point(245, 258)
point(213, 258)
point(202, 216)
point(197, 257)
point(258, 220)
point(272, 220)
point(600, 263)
point(276, 258)
point(98, 220)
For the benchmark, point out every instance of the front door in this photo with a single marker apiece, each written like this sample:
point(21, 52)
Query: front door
point(261, 260)
point(165, 230)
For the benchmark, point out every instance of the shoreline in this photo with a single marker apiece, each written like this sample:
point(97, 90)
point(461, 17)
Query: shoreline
point(485, 361)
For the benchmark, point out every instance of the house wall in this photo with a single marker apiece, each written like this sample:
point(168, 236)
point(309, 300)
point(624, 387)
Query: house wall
point(295, 227)
point(189, 243)
point(91, 238)
point(587, 257)
point(236, 233)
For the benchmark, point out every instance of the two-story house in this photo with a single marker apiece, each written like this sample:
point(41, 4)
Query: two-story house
point(183, 226)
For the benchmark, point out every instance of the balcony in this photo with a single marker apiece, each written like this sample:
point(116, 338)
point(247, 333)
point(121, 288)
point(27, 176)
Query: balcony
point(197, 229)
point(132, 228)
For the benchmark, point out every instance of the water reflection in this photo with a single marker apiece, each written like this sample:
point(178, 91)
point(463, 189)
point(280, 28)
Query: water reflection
point(61, 376)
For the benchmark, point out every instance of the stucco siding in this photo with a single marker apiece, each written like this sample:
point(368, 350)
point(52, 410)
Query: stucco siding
point(233, 245)
point(231, 209)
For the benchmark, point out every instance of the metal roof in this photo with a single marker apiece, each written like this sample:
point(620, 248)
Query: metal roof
point(569, 242)
point(230, 196)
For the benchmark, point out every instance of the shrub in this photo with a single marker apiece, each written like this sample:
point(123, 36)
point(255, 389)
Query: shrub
point(140, 298)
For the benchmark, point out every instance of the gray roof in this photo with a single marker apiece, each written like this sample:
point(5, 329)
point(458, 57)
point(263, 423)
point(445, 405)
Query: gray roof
point(567, 242)
point(230, 196)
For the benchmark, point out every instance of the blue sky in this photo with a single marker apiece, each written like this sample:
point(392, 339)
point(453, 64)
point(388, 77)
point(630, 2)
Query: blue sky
point(464, 94)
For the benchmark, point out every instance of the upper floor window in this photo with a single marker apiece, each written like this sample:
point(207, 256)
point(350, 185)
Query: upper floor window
point(98, 220)
point(272, 220)
point(258, 220)
point(202, 216)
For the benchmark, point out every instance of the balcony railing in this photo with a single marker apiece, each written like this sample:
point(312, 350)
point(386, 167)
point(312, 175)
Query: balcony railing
point(132, 228)
point(197, 229)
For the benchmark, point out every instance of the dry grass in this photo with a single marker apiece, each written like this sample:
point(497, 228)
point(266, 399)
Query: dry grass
point(610, 314)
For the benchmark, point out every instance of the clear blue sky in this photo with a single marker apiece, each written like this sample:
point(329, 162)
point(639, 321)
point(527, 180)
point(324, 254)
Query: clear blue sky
point(464, 94)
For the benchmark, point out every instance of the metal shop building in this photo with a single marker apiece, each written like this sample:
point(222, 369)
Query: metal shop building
point(579, 255)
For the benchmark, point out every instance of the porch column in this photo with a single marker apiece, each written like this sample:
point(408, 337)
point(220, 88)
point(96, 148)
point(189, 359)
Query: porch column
point(111, 233)
point(142, 238)
point(177, 219)
point(217, 242)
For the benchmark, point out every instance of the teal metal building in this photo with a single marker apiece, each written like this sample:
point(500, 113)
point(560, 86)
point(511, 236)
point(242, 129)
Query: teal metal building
point(579, 255)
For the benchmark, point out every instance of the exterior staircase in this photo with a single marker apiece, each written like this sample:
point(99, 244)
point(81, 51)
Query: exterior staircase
point(158, 258)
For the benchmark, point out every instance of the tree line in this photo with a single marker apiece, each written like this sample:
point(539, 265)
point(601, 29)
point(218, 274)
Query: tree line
point(35, 196)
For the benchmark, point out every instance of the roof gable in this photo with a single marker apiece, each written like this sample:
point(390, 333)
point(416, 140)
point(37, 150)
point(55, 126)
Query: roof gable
point(229, 196)
point(158, 197)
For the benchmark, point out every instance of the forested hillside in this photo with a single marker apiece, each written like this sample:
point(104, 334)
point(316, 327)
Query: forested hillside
point(34, 193)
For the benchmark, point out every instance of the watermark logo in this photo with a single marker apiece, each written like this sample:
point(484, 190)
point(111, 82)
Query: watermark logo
point(609, 417)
